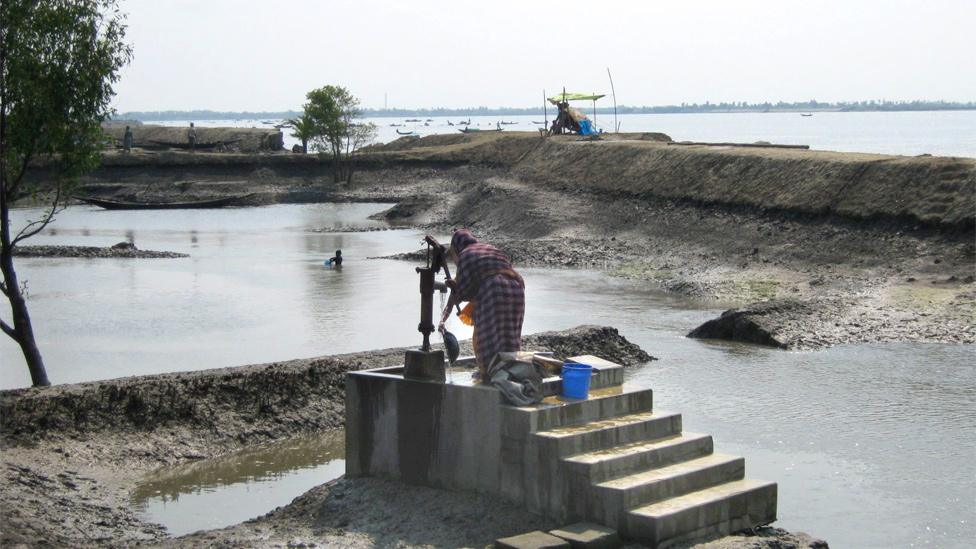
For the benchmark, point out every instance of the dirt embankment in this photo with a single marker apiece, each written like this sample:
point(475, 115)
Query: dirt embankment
point(266, 401)
point(934, 191)
point(155, 137)
point(121, 250)
point(938, 192)
point(73, 453)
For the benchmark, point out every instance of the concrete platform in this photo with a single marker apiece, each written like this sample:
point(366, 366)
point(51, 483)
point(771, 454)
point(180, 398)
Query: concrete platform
point(610, 459)
point(587, 535)
point(532, 540)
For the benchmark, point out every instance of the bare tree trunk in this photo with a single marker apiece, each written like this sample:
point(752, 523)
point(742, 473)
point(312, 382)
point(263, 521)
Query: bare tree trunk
point(304, 146)
point(336, 163)
point(349, 166)
point(21, 332)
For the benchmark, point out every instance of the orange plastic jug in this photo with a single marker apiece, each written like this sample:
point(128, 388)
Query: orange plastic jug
point(467, 314)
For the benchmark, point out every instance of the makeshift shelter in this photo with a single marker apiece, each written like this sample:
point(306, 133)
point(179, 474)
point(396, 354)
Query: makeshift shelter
point(570, 119)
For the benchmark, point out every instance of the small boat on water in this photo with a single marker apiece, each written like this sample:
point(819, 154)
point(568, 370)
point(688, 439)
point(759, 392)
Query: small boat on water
point(408, 132)
point(395, 125)
point(198, 204)
point(806, 114)
point(472, 130)
point(413, 120)
point(539, 123)
point(503, 123)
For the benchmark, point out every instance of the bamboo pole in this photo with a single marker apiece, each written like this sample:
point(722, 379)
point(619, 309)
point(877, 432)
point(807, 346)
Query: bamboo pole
point(545, 109)
point(616, 125)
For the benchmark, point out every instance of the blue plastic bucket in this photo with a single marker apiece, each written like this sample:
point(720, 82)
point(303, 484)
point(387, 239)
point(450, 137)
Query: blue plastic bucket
point(576, 380)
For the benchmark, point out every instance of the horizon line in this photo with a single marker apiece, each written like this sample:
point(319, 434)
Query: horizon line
point(724, 105)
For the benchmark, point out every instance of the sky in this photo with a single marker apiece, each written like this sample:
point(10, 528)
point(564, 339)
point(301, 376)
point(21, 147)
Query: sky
point(260, 55)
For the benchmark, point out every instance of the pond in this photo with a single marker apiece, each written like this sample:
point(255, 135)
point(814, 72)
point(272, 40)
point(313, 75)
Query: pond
point(215, 493)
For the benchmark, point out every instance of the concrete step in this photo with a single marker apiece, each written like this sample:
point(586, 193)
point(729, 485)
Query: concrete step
point(556, 411)
point(613, 498)
point(620, 461)
point(714, 511)
point(608, 433)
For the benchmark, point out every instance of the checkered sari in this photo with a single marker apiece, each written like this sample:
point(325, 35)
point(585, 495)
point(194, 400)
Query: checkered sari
point(485, 276)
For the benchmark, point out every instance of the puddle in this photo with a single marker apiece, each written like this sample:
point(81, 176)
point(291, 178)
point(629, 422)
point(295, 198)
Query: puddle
point(215, 493)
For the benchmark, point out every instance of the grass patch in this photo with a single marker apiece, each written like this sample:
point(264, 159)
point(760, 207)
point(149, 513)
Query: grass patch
point(758, 289)
point(919, 297)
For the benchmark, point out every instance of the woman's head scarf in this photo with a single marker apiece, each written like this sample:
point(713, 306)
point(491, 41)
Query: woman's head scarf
point(462, 239)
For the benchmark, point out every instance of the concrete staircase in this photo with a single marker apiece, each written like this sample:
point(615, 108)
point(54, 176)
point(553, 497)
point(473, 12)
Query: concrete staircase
point(614, 460)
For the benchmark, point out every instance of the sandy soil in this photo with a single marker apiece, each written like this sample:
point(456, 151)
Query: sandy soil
point(344, 513)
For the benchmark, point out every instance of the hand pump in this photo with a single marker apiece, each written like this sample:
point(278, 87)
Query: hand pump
point(423, 363)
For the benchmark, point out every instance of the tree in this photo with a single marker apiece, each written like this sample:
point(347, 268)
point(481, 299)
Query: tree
point(334, 111)
point(59, 60)
point(304, 129)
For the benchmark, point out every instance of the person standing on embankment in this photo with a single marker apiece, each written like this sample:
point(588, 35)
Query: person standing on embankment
point(496, 293)
point(127, 140)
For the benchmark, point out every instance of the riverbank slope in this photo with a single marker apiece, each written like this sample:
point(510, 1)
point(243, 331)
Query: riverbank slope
point(811, 248)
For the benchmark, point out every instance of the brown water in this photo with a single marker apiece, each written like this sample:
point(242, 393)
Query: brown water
point(219, 492)
point(873, 445)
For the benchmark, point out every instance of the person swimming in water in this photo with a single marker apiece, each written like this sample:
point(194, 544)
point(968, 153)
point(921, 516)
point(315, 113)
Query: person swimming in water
point(335, 261)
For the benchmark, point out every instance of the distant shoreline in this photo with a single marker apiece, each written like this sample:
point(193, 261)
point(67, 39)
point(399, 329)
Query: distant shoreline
point(923, 106)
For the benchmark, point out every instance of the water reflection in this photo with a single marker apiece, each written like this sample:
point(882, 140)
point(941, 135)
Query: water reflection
point(869, 431)
point(224, 491)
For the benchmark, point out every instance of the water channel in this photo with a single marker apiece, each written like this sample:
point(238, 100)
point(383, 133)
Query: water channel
point(872, 445)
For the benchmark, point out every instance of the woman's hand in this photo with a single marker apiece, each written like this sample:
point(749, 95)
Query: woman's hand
point(441, 328)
